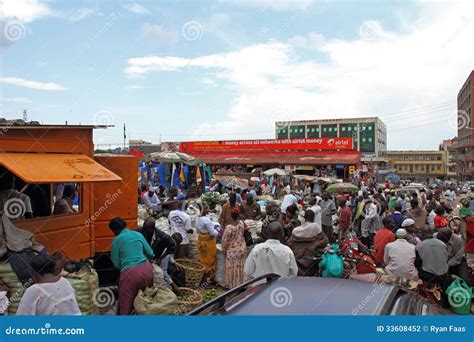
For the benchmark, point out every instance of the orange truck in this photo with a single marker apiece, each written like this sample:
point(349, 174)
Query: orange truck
point(44, 159)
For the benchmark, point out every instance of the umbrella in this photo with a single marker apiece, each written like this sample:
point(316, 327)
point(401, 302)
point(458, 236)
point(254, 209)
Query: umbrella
point(341, 187)
point(392, 177)
point(174, 157)
point(275, 171)
point(322, 179)
point(232, 181)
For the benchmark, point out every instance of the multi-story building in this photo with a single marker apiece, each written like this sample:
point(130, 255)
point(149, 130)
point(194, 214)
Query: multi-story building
point(422, 166)
point(369, 134)
point(447, 146)
point(465, 144)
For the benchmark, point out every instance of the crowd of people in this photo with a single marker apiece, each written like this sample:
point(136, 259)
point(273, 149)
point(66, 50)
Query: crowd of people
point(406, 234)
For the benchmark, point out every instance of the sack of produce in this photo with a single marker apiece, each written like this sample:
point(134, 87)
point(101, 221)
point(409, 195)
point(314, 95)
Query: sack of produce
point(158, 276)
point(86, 286)
point(157, 300)
point(10, 281)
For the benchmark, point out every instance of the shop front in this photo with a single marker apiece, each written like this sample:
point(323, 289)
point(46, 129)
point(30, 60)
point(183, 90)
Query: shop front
point(320, 157)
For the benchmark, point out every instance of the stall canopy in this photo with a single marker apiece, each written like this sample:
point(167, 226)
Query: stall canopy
point(275, 171)
point(56, 168)
point(281, 158)
point(232, 181)
point(174, 157)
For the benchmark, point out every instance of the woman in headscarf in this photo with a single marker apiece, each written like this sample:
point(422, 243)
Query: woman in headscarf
point(208, 231)
point(235, 249)
point(225, 217)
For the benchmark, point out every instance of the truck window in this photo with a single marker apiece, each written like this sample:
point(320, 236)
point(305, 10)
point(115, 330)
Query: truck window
point(21, 201)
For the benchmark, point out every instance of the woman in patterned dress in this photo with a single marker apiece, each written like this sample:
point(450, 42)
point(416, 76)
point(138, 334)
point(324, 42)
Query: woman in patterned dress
point(235, 249)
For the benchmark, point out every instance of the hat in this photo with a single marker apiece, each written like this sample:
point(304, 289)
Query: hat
point(408, 222)
point(152, 188)
point(401, 233)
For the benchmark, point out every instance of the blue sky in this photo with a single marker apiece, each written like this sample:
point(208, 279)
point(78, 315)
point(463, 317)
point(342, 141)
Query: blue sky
point(225, 69)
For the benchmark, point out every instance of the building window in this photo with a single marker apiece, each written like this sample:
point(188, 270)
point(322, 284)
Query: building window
point(369, 139)
point(330, 129)
point(349, 128)
point(325, 129)
point(343, 128)
point(363, 139)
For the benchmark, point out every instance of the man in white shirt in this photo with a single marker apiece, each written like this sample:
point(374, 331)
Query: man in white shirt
point(151, 199)
point(314, 206)
point(180, 223)
point(399, 256)
point(288, 200)
point(271, 256)
point(450, 195)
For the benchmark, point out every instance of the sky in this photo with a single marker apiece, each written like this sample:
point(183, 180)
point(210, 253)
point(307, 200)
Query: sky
point(182, 70)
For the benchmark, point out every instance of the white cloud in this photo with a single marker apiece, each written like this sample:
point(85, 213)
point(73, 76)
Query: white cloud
point(21, 82)
point(15, 99)
point(24, 10)
point(311, 41)
point(78, 15)
point(369, 75)
point(159, 34)
point(275, 5)
point(137, 9)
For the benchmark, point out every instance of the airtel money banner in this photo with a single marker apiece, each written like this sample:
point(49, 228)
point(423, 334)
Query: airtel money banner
point(267, 145)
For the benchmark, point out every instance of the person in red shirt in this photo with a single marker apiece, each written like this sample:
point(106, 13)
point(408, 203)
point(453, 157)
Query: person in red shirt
point(345, 217)
point(387, 185)
point(440, 221)
point(382, 238)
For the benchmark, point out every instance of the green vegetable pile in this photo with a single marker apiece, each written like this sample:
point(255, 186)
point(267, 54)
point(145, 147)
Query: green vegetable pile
point(211, 197)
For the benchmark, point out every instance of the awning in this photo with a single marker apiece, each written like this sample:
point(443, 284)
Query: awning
point(56, 168)
point(282, 158)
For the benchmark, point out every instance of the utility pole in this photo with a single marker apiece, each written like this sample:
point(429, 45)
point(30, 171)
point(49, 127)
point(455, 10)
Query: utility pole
point(124, 135)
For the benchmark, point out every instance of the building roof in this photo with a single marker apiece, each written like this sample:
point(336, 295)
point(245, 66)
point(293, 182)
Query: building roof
point(36, 126)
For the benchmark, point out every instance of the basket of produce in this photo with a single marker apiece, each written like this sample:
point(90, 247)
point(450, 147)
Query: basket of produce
point(193, 270)
point(188, 299)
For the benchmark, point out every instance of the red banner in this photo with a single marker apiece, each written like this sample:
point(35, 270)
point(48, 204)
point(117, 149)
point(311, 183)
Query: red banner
point(308, 144)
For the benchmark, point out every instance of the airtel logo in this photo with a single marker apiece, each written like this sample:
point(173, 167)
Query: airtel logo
point(331, 142)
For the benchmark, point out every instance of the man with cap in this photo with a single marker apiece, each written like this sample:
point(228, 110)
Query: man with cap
point(399, 256)
point(456, 255)
point(151, 199)
point(409, 225)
